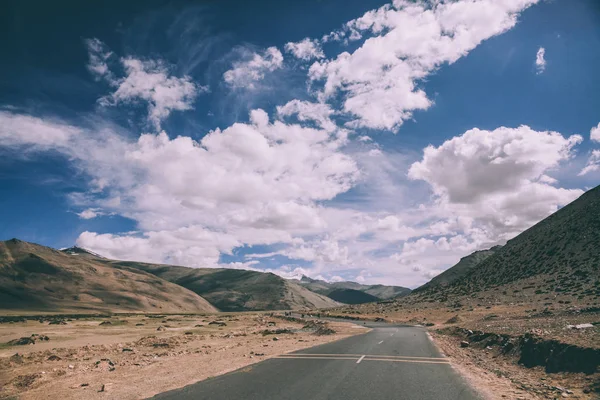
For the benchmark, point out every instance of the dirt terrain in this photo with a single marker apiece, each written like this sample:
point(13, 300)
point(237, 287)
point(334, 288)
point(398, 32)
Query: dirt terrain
point(137, 356)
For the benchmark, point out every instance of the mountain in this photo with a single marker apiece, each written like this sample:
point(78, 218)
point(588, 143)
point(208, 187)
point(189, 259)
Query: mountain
point(41, 279)
point(462, 268)
point(237, 289)
point(351, 296)
point(348, 290)
point(78, 251)
point(558, 257)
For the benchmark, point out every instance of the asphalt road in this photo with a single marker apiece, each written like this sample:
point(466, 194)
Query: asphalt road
point(390, 362)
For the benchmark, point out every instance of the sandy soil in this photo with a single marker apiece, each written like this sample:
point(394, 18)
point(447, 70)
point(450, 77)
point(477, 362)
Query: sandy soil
point(130, 359)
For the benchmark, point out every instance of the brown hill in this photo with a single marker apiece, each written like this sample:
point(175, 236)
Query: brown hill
point(236, 289)
point(558, 258)
point(40, 279)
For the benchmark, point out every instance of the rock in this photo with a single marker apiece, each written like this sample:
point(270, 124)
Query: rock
point(198, 326)
point(218, 323)
point(22, 341)
point(139, 324)
point(580, 326)
point(275, 339)
point(54, 357)
point(464, 344)
point(160, 328)
point(84, 385)
point(105, 323)
point(126, 349)
point(71, 366)
point(105, 387)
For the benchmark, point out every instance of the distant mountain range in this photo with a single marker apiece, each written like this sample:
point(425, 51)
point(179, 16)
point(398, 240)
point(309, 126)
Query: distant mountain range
point(558, 257)
point(237, 289)
point(352, 292)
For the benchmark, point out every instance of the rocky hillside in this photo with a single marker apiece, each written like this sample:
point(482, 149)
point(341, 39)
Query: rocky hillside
point(556, 259)
point(41, 279)
point(352, 292)
point(236, 289)
point(461, 269)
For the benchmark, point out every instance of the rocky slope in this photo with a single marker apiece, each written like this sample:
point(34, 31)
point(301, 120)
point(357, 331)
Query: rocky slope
point(461, 269)
point(40, 279)
point(557, 259)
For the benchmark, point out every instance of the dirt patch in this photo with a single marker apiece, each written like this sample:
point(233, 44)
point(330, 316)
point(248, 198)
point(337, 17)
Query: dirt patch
point(89, 361)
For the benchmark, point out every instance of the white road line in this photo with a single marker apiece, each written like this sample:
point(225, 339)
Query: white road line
point(360, 359)
point(380, 342)
point(392, 334)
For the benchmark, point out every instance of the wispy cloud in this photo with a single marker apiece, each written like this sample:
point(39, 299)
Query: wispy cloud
point(540, 60)
point(145, 80)
point(245, 74)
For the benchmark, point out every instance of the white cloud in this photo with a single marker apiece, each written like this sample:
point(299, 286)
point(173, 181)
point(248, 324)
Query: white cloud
point(320, 113)
point(305, 49)
point(540, 61)
point(407, 41)
point(89, 213)
point(595, 133)
point(497, 178)
point(38, 133)
point(150, 81)
point(144, 80)
point(245, 74)
point(593, 163)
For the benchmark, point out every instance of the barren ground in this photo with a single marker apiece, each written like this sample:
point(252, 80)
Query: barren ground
point(130, 359)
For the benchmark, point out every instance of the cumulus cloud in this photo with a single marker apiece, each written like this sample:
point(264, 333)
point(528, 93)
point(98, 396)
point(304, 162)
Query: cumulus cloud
point(145, 80)
point(595, 133)
point(245, 74)
point(406, 42)
point(498, 178)
point(540, 61)
point(305, 49)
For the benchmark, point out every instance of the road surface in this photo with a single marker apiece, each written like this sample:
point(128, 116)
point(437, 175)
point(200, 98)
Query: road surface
point(390, 362)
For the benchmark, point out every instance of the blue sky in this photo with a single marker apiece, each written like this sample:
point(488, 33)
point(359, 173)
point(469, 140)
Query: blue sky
point(360, 140)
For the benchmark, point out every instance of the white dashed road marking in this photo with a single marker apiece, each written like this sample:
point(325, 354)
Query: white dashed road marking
point(380, 342)
point(360, 359)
